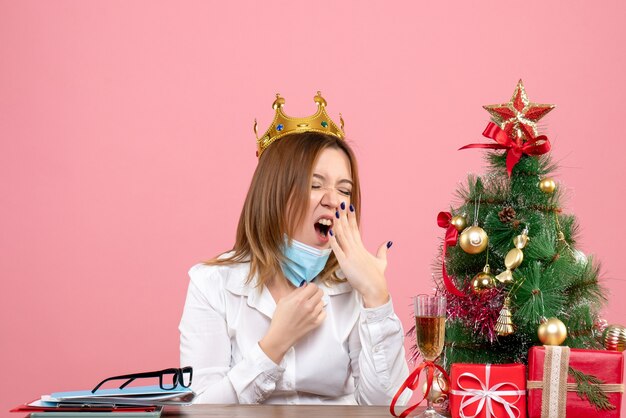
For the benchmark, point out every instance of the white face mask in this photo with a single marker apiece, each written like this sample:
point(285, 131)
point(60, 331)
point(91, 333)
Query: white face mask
point(302, 262)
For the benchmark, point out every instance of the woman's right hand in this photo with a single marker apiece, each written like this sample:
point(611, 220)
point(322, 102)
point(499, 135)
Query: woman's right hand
point(296, 315)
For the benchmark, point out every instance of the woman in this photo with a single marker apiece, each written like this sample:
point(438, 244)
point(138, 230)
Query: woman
point(298, 312)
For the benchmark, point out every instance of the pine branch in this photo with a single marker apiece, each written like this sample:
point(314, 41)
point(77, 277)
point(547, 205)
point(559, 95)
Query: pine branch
point(541, 246)
point(527, 166)
point(580, 331)
point(500, 235)
point(539, 295)
point(587, 386)
point(570, 228)
point(584, 283)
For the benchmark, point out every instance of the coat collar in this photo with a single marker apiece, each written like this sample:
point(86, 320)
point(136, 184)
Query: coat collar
point(261, 299)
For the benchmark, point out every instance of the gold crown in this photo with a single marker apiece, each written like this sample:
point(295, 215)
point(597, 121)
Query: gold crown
point(284, 125)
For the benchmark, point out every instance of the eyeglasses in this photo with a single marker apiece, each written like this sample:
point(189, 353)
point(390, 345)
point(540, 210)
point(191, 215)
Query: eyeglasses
point(169, 379)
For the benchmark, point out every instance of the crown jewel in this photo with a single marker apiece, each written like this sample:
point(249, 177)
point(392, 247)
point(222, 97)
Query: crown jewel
point(284, 125)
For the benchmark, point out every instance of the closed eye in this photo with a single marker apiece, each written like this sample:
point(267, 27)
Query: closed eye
point(343, 192)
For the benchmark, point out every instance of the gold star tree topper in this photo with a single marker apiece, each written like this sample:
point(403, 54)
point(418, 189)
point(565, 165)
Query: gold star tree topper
point(519, 117)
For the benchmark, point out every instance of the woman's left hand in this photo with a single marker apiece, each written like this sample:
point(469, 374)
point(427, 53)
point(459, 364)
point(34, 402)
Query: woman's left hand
point(365, 272)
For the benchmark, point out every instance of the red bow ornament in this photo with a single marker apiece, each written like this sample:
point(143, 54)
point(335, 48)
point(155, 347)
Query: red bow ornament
point(443, 220)
point(534, 146)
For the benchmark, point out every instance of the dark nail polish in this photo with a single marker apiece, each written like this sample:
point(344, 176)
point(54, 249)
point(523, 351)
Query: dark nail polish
point(302, 283)
point(351, 208)
point(389, 244)
point(343, 205)
point(330, 231)
point(337, 214)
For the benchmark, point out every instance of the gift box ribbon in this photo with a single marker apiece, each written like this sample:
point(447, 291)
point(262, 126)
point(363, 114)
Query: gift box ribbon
point(572, 387)
point(486, 395)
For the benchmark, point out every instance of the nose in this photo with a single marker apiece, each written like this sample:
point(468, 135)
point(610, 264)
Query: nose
point(331, 198)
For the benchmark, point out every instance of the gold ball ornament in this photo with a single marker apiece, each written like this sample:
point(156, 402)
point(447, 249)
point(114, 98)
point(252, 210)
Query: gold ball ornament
point(473, 240)
point(436, 394)
point(614, 338)
point(484, 280)
point(459, 222)
point(552, 332)
point(547, 185)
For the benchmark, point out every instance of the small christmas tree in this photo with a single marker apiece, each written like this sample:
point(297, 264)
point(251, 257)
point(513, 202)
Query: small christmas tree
point(509, 259)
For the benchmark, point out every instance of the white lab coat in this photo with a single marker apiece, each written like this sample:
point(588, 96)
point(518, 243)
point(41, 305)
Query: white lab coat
point(356, 356)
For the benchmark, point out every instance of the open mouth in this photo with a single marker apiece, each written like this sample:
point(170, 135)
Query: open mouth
point(322, 226)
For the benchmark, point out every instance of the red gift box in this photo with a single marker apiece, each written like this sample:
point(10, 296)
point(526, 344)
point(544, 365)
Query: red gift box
point(608, 366)
point(486, 390)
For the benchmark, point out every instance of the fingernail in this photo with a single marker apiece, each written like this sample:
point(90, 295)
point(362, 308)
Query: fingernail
point(389, 244)
point(351, 208)
point(303, 283)
point(343, 205)
point(330, 231)
point(337, 214)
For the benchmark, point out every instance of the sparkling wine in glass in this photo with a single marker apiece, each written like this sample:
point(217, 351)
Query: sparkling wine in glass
point(430, 330)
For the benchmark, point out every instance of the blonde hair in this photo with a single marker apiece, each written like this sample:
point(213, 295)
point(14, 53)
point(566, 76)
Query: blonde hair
point(277, 201)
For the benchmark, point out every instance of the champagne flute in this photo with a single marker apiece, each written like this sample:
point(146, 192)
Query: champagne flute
point(430, 331)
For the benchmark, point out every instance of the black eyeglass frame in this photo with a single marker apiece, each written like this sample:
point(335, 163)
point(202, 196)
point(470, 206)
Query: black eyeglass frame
point(178, 378)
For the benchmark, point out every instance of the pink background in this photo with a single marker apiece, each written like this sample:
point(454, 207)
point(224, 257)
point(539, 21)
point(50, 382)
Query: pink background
point(127, 148)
